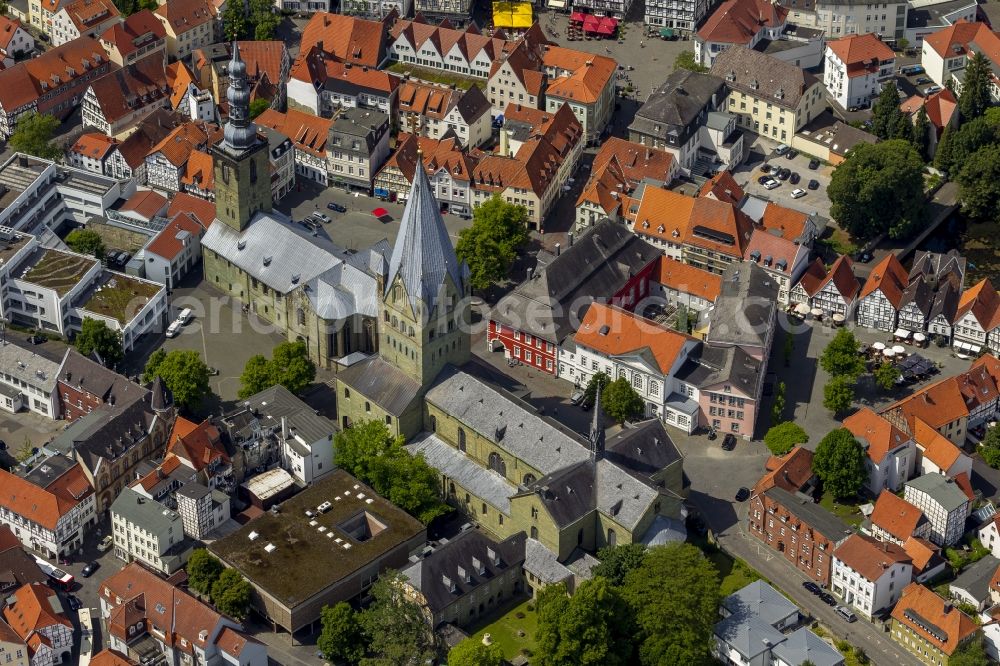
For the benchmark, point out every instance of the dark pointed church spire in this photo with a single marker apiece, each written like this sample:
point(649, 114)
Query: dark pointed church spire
point(239, 132)
point(597, 429)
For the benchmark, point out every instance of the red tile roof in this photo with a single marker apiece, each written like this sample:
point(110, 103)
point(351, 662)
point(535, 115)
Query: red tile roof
point(896, 516)
point(308, 132)
point(167, 244)
point(688, 279)
point(890, 278)
point(146, 203)
point(880, 435)
point(201, 445)
point(790, 224)
point(935, 446)
point(314, 67)
point(437, 155)
point(179, 77)
point(122, 91)
point(738, 21)
point(614, 331)
point(723, 187)
point(984, 303)
point(869, 557)
point(28, 80)
point(842, 276)
point(771, 251)
point(8, 28)
point(199, 171)
point(955, 39)
point(861, 54)
point(32, 611)
point(86, 14)
point(789, 472)
point(677, 218)
point(201, 209)
point(814, 277)
point(111, 657)
point(349, 38)
point(32, 502)
point(186, 15)
point(923, 553)
point(94, 145)
point(940, 108)
point(580, 76)
point(956, 625)
point(177, 146)
point(134, 33)
point(951, 398)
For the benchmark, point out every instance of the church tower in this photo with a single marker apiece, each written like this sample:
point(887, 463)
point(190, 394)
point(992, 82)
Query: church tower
point(242, 169)
point(424, 313)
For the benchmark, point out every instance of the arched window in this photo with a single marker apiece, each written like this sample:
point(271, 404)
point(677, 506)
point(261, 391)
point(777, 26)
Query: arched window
point(497, 464)
point(301, 316)
point(253, 171)
point(451, 489)
point(579, 536)
point(461, 440)
point(534, 532)
point(528, 479)
point(368, 406)
point(388, 420)
point(347, 392)
point(612, 538)
point(434, 423)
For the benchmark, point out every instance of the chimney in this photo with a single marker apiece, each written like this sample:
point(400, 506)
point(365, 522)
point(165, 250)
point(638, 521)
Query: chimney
point(569, 239)
point(284, 429)
point(947, 607)
point(557, 249)
point(531, 271)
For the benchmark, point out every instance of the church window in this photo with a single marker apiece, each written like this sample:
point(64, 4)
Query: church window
point(612, 538)
point(461, 440)
point(434, 423)
point(225, 173)
point(253, 172)
point(301, 314)
point(368, 406)
point(497, 464)
point(528, 479)
point(388, 420)
point(534, 532)
point(347, 392)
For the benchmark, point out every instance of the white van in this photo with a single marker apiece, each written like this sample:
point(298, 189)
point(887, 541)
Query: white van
point(174, 328)
point(185, 316)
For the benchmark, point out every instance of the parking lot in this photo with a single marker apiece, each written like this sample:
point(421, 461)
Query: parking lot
point(762, 151)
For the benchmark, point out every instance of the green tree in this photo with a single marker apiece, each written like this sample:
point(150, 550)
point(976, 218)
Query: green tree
point(973, 653)
point(979, 183)
point(368, 451)
point(490, 245)
point(674, 595)
point(782, 438)
point(838, 394)
point(184, 373)
point(617, 561)
point(96, 338)
point(778, 408)
point(879, 189)
point(26, 450)
point(396, 627)
point(684, 319)
point(234, 21)
point(259, 106)
point(958, 145)
point(86, 241)
point(839, 462)
point(471, 652)
point(885, 376)
point(291, 366)
point(841, 357)
point(591, 627)
point(888, 120)
point(620, 401)
point(256, 376)
point(203, 569)
point(902, 43)
point(989, 448)
point(685, 60)
point(231, 594)
point(33, 135)
point(975, 97)
point(340, 639)
point(600, 379)
point(921, 133)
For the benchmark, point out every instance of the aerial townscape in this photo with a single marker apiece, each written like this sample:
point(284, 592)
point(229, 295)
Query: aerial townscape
point(512, 332)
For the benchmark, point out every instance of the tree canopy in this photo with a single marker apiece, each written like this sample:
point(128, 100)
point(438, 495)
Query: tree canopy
point(471, 652)
point(590, 628)
point(888, 120)
point(885, 376)
point(841, 357)
point(340, 639)
point(96, 337)
point(621, 402)
point(33, 135)
point(289, 366)
point(396, 628)
point(989, 449)
point(86, 241)
point(686, 60)
point(368, 451)
point(975, 97)
point(973, 653)
point(600, 379)
point(231, 594)
point(674, 595)
point(617, 561)
point(958, 145)
point(922, 133)
point(490, 245)
point(203, 569)
point(782, 438)
point(184, 373)
point(234, 21)
point(839, 462)
point(879, 189)
point(979, 183)
point(259, 106)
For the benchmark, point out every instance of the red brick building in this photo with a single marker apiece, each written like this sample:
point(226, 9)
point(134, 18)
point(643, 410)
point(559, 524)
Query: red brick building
point(783, 514)
point(607, 263)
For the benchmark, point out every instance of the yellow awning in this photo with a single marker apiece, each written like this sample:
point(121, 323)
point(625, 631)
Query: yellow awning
point(516, 15)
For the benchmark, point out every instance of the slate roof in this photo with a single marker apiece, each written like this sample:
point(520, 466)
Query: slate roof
point(462, 566)
point(543, 563)
point(976, 578)
point(941, 489)
point(387, 386)
point(595, 266)
point(709, 366)
point(745, 306)
point(642, 449)
point(778, 82)
point(539, 441)
point(423, 256)
point(939, 266)
point(760, 600)
point(811, 513)
point(454, 464)
point(750, 637)
point(145, 512)
point(277, 403)
point(803, 645)
point(677, 102)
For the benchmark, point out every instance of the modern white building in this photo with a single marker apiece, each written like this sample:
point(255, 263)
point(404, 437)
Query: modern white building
point(856, 67)
point(175, 250)
point(27, 380)
point(944, 503)
point(146, 531)
point(838, 18)
point(870, 575)
point(943, 54)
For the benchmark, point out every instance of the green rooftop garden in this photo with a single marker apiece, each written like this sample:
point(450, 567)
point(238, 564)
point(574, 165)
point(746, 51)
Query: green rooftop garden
point(432, 75)
point(121, 298)
point(59, 271)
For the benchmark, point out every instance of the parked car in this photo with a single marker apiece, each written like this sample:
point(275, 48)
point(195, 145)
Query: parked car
point(325, 219)
point(798, 193)
point(813, 164)
point(36, 339)
point(794, 178)
point(577, 396)
point(791, 154)
point(847, 614)
point(89, 569)
point(106, 544)
point(813, 184)
point(828, 599)
point(921, 80)
point(781, 149)
point(763, 180)
point(337, 207)
point(742, 495)
point(785, 174)
point(712, 435)
point(765, 168)
point(174, 328)
point(729, 442)
point(185, 316)
point(930, 90)
point(811, 587)
point(771, 184)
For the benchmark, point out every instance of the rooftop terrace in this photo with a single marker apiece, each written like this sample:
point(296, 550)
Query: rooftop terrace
point(57, 270)
point(118, 296)
point(355, 528)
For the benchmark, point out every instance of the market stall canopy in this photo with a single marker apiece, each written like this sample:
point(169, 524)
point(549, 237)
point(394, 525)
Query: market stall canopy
point(512, 15)
point(802, 309)
point(838, 317)
point(901, 333)
point(816, 312)
point(888, 353)
point(899, 349)
point(878, 346)
point(919, 337)
point(577, 17)
point(380, 212)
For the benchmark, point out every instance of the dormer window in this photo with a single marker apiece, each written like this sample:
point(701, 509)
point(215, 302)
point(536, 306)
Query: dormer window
point(780, 94)
point(731, 76)
point(754, 85)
